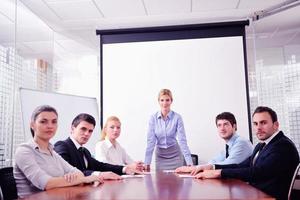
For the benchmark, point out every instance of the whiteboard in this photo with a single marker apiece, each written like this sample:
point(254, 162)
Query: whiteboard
point(67, 107)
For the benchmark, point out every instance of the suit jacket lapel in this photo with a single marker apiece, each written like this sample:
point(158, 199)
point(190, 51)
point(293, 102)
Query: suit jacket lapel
point(254, 153)
point(277, 137)
point(77, 154)
point(87, 157)
point(266, 148)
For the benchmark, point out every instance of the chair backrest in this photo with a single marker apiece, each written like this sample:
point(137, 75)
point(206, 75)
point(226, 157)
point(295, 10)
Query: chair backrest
point(194, 159)
point(8, 184)
point(294, 192)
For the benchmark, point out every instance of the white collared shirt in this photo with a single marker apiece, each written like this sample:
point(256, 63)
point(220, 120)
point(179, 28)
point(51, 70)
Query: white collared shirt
point(108, 153)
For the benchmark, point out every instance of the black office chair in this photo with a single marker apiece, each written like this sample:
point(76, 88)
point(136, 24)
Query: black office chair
point(294, 192)
point(8, 184)
point(194, 159)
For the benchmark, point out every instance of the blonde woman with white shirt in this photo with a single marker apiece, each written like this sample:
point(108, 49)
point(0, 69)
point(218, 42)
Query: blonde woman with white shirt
point(108, 150)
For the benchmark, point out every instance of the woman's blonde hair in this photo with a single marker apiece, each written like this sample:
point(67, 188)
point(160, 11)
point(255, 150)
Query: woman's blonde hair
point(165, 92)
point(111, 118)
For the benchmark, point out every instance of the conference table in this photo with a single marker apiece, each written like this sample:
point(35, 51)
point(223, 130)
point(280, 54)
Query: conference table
point(157, 185)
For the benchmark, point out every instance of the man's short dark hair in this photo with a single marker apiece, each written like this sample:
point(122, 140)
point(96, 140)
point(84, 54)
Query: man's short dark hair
point(227, 116)
point(83, 117)
point(272, 113)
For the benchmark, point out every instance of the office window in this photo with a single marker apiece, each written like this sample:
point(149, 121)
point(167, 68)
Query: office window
point(6, 105)
point(274, 76)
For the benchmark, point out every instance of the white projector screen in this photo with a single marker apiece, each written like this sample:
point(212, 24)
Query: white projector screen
point(206, 76)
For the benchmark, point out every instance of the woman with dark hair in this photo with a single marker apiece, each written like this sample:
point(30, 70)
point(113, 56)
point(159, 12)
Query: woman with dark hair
point(37, 166)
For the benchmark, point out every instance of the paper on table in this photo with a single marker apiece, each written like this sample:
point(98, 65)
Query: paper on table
point(152, 172)
point(134, 176)
point(169, 171)
point(186, 176)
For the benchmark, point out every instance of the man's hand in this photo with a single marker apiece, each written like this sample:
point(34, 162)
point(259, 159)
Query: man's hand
point(209, 174)
point(185, 169)
point(131, 169)
point(201, 168)
point(109, 176)
point(139, 165)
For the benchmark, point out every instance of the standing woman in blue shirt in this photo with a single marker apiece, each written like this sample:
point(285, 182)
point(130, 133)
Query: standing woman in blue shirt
point(165, 127)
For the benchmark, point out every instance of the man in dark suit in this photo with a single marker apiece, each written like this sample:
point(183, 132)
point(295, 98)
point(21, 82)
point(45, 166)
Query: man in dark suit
point(271, 166)
point(73, 152)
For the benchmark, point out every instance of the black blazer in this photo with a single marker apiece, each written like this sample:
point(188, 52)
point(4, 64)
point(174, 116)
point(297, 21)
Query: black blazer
point(273, 169)
point(69, 152)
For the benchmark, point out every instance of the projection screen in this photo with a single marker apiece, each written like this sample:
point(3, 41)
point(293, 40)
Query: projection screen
point(203, 65)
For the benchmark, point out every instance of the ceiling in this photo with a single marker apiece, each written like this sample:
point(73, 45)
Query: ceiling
point(74, 22)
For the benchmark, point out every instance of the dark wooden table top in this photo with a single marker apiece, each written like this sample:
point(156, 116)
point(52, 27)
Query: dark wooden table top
point(157, 185)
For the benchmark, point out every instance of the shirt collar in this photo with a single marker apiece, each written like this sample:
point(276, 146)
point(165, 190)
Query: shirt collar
point(109, 144)
point(270, 138)
point(36, 146)
point(77, 145)
point(169, 115)
point(232, 139)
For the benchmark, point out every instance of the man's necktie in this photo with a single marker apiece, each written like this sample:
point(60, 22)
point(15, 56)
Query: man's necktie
point(227, 153)
point(81, 151)
point(260, 147)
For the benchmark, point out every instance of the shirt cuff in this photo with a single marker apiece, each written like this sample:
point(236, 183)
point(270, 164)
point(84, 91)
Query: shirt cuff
point(124, 170)
point(213, 167)
point(96, 173)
